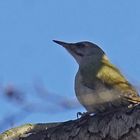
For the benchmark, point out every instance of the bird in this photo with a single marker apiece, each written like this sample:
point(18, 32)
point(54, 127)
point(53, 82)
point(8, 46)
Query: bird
point(99, 85)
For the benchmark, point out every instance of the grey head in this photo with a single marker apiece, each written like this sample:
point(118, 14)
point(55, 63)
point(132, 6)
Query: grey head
point(81, 50)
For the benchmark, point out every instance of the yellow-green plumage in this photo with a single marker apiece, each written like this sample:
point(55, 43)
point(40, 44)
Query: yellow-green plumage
point(99, 85)
point(97, 72)
point(110, 75)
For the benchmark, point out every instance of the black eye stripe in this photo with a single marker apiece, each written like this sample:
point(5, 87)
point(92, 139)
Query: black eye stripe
point(80, 46)
point(78, 53)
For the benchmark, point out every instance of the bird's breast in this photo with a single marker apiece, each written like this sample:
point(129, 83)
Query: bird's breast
point(95, 97)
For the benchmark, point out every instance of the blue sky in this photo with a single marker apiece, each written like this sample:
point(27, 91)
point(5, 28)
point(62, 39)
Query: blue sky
point(27, 53)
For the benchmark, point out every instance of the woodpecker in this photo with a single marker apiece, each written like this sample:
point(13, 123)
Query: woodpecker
point(99, 85)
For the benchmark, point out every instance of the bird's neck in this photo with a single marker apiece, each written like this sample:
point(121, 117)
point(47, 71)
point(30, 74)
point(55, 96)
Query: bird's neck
point(90, 67)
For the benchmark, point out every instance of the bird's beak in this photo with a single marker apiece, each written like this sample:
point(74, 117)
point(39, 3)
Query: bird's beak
point(70, 47)
point(64, 44)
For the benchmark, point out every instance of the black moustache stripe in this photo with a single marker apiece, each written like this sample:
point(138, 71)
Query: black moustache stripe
point(80, 54)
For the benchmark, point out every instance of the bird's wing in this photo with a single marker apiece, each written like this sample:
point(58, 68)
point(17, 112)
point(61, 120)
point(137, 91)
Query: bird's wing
point(111, 76)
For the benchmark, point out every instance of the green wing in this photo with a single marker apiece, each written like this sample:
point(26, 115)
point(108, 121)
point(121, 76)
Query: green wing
point(111, 76)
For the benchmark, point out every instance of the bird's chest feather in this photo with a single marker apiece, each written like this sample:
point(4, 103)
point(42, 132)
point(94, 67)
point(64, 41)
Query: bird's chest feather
point(89, 97)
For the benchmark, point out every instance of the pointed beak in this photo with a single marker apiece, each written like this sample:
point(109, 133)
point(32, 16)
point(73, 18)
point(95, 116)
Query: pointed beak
point(71, 48)
point(64, 44)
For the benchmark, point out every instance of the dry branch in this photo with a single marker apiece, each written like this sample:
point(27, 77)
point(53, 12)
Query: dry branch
point(122, 124)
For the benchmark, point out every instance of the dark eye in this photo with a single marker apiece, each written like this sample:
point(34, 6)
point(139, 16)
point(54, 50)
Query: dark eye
point(80, 45)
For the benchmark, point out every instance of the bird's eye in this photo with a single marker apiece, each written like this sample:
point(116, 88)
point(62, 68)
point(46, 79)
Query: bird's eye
point(80, 45)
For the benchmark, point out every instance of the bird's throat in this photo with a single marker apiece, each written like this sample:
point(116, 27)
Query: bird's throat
point(90, 68)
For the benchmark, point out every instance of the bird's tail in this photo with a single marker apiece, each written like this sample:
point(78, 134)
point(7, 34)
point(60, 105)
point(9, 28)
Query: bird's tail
point(134, 100)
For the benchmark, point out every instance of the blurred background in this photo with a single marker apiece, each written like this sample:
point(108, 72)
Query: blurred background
point(37, 75)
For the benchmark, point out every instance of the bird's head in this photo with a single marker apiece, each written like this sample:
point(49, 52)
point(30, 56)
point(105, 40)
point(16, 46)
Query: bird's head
point(81, 50)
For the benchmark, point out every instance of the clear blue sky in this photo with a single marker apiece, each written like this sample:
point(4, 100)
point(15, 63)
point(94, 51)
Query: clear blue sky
point(27, 53)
